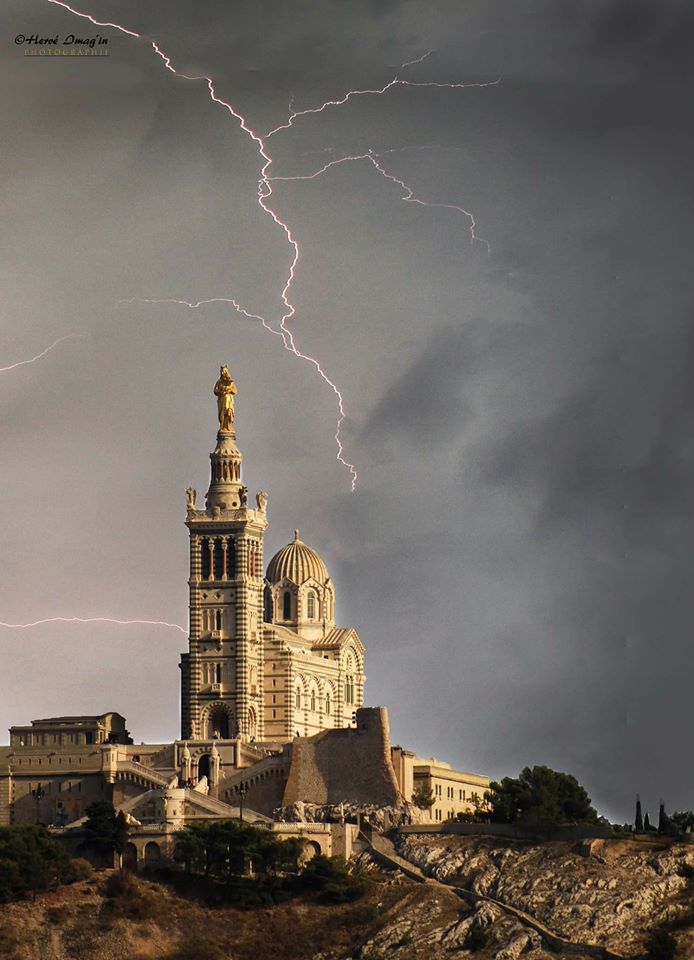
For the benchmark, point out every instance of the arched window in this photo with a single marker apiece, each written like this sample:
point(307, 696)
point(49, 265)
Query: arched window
point(205, 558)
point(313, 701)
point(219, 619)
point(297, 699)
point(218, 559)
point(219, 673)
point(287, 605)
point(311, 605)
point(327, 704)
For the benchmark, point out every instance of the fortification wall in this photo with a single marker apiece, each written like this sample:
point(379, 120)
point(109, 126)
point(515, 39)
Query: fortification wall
point(346, 765)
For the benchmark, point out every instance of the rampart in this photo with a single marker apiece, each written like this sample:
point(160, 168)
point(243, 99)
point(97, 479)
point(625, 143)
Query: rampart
point(346, 765)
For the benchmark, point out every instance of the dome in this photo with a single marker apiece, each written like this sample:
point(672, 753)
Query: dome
point(298, 563)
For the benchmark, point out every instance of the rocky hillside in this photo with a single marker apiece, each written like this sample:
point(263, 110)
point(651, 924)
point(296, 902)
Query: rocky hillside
point(605, 892)
point(608, 893)
point(81, 922)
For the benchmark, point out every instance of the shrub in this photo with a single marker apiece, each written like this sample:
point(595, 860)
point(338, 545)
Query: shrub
point(661, 945)
point(31, 861)
point(125, 897)
point(331, 878)
point(57, 915)
point(475, 939)
point(76, 870)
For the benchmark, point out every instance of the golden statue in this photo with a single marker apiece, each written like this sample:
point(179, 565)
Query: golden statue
point(224, 391)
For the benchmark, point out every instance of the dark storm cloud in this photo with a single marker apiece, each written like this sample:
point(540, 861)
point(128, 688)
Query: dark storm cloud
point(426, 404)
point(517, 556)
point(622, 445)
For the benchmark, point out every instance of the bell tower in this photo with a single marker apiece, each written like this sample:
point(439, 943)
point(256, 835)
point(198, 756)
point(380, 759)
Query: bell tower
point(222, 672)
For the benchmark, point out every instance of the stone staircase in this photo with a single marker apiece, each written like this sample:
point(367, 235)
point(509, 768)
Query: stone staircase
point(143, 775)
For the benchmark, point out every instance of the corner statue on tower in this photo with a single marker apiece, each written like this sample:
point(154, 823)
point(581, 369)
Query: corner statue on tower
point(224, 391)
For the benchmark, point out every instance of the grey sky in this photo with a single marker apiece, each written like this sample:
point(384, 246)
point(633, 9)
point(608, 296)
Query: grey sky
point(516, 557)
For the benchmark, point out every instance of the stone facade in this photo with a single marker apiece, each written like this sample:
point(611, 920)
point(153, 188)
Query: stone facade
point(272, 694)
point(265, 660)
point(350, 766)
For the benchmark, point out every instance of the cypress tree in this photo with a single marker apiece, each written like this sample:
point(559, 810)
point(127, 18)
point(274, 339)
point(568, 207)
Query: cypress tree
point(663, 820)
point(646, 822)
point(638, 822)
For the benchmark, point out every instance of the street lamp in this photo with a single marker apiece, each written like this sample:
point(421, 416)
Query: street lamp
point(242, 791)
point(38, 794)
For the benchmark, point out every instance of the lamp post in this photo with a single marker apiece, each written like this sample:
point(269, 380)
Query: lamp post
point(243, 790)
point(38, 794)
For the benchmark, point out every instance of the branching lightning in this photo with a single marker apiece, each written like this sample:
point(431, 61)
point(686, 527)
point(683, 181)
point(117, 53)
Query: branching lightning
point(408, 195)
point(265, 192)
point(22, 363)
point(377, 91)
point(38, 623)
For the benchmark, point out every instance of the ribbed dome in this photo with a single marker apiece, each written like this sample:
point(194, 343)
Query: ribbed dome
point(298, 563)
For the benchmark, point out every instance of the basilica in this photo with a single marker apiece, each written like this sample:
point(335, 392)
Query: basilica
point(266, 661)
point(272, 697)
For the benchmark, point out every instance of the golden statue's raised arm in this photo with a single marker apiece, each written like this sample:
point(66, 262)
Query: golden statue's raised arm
point(224, 391)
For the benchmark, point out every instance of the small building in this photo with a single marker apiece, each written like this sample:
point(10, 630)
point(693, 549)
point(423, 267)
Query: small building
point(454, 791)
point(71, 731)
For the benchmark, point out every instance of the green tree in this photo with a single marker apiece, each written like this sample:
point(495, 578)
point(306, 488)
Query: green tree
point(32, 861)
point(647, 823)
point(682, 822)
point(664, 825)
point(106, 832)
point(540, 796)
point(423, 797)
point(638, 820)
point(191, 849)
point(222, 850)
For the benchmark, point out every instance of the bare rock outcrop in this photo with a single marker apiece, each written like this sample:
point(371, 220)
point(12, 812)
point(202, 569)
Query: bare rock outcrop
point(608, 894)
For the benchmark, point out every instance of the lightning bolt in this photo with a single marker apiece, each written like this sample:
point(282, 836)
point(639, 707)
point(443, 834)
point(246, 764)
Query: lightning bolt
point(408, 194)
point(411, 63)
point(21, 363)
point(376, 91)
point(38, 623)
point(265, 191)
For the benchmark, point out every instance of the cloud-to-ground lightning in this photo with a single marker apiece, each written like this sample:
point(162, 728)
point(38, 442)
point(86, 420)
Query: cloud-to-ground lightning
point(265, 190)
point(22, 363)
point(38, 623)
point(264, 193)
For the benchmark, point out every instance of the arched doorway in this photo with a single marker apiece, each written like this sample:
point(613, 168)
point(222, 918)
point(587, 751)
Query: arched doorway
point(204, 767)
point(311, 848)
point(218, 724)
point(152, 852)
point(130, 857)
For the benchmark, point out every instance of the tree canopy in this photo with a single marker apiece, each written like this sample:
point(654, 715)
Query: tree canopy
point(32, 861)
point(540, 796)
point(106, 831)
point(221, 849)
